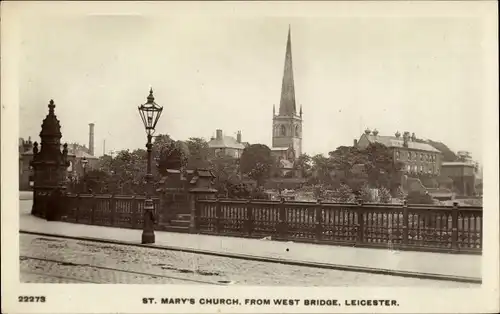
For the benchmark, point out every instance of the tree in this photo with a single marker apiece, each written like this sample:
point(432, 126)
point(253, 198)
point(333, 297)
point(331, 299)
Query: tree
point(304, 164)
point(381, 167)
point(321, 169)
point(96, 180)
point(198, 153)
point(343, 159)
point(169, 154)
point(127, 169)
point(256, 162)
point(225, 169)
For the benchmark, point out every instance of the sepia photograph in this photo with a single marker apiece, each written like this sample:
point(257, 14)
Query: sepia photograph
point(252, 150)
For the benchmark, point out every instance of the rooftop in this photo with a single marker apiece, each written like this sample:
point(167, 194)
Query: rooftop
point(392, 141)
point(78, 153)
point(225, 142)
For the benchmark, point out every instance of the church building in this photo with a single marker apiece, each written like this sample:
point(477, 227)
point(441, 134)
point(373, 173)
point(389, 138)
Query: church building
point(287, 123)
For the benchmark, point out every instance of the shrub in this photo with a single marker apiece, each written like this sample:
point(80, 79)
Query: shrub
point(400, 193)
point(384, 195)
point(344, 194)
point(416, 197)
point(319, 191)
point(365, 194)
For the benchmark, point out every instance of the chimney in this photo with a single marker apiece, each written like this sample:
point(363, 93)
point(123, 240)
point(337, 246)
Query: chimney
point(91, 139)
point(413, 137)
point(406, 137)
point(218, 134)
point(355, 142)
point(238, 137)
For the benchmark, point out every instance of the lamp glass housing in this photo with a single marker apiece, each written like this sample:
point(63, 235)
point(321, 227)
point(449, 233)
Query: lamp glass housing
point(150, 113)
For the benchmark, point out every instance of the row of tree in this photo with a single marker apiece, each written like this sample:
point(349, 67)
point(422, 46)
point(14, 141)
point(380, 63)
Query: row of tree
point(373, 166)
point(124, 171)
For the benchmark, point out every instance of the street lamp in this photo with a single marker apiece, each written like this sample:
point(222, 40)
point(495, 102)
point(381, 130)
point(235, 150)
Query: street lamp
point(84, 166)
point(150, 113)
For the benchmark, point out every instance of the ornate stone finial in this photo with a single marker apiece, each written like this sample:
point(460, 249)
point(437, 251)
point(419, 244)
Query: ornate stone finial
point(397, 134)
point(35, 148)
point(375, 132)
point(274, 109)
point(151, 98)
point(51, 106)
point(367, 131)
point(300, 110)
point(65, 149)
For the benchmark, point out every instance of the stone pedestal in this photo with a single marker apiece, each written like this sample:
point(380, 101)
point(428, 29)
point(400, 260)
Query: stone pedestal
point(196, 194)
point(49, 167)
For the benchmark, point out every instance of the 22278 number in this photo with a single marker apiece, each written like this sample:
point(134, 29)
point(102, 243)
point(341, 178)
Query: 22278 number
point(25, 298)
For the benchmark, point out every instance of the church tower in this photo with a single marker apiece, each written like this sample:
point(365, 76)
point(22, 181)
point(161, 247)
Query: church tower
point(287, 124)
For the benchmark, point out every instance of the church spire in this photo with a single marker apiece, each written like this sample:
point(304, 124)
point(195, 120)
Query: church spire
point(287, 101)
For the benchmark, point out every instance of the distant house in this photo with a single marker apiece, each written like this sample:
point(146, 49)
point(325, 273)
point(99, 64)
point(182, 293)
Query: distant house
point(224, 145)
point(417, 156)
point(463, 175)
point(76, 154)
point(25, 157)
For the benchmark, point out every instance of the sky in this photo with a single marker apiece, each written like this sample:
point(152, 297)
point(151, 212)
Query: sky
point(420, 74)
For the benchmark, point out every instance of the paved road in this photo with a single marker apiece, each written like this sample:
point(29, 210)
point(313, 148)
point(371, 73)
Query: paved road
point(105, 263)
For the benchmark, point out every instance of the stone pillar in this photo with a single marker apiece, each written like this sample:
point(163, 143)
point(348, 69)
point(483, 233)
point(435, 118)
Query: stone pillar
point(50, 167)
point(196, 194)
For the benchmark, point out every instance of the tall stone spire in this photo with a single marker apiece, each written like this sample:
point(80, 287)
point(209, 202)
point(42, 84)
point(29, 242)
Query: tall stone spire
point(287, 101)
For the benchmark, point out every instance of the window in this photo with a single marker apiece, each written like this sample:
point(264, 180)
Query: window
point(297, 133)
point(409, 155)
point(282, 130)
point(397, 155)
point(421, 168)
point(421, 157)
point(408, 168)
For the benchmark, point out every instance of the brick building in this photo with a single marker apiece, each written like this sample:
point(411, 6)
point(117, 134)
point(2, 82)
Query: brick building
point(417, 156)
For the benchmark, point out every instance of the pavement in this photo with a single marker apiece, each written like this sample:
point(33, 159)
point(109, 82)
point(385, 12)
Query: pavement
point(459, 267)
point(46, 259)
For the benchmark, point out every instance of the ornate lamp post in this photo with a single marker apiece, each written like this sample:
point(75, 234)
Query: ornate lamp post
point(150, 113)
point(84, 166)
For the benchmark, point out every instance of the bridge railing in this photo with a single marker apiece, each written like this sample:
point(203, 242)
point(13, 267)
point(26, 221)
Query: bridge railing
point(403, 227)
point(121, 211)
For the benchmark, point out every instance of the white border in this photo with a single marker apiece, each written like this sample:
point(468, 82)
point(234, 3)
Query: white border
point(128, 298)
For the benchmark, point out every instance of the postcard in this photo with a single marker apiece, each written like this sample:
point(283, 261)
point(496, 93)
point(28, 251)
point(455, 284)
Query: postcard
point(250, 157)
